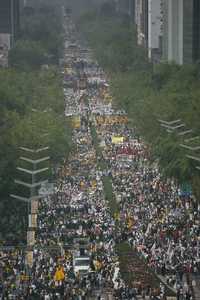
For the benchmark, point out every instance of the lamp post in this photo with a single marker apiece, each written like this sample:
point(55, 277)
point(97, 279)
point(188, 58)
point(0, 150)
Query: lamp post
point(189, 145)
point(31, 201)
point(172, 126)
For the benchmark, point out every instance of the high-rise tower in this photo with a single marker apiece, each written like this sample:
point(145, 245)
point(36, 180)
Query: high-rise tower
point(181, 31)
point(9, 18)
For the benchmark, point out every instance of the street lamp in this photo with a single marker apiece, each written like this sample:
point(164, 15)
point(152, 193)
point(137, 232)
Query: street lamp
point(172, 126)
point(192, 139)
point(170, 123)
point(185, 132)
point(195, 148)
point(195, 158)
point(43, 111)
point(31, 201)
point(191, 147)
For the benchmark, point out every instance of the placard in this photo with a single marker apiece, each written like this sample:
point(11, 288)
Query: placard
point(34, 206)
point(30, 238)
point(32, 221)
point(29, 261)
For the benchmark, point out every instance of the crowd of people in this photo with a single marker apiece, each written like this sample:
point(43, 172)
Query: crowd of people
point(160, 223)
point(153, 216)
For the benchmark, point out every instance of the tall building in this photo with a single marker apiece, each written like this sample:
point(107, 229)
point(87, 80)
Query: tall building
point(9, 27)
point(132, 10)
point(181, 31)
point(196, 30)
point(141, 21)
point(9, 18)
point(154, 30)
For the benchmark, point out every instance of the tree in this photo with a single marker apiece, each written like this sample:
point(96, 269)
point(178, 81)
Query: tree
point(44, 26)
point(20, 92)
point(23, 88)
point(27, 55)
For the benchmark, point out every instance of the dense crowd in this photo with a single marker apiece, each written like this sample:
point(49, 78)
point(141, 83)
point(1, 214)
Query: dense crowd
point(159, 221)
point(154, 217)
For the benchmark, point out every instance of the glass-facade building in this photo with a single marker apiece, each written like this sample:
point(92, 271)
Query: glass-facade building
point(181, 31)
point(9, 17)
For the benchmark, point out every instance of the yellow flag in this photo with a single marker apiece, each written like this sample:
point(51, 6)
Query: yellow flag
point(117, 216)
point(94, 184)
point(130, 223)
point(59, 275)
point(97, 265)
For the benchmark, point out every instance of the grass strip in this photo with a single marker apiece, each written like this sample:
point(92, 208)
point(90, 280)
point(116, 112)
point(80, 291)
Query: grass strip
point(107, 183)
point(135, 271)
point(101, 164)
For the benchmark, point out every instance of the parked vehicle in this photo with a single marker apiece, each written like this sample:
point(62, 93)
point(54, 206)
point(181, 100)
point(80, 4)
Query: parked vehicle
point(81, 264)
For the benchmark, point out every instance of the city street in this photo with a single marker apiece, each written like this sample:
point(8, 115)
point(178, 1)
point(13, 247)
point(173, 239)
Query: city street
point(112, 227)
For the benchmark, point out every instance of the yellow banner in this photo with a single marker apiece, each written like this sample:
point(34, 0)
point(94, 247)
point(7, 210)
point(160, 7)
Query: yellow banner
point(117, 139)
point(111, 120)
point(76, 122)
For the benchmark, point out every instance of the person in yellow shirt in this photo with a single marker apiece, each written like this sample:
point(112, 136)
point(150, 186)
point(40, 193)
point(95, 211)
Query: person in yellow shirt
point(59, 275)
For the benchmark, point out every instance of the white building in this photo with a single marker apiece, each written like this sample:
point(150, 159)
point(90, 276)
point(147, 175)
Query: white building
point(173, 31)
point(141, 21)
point(154, 29)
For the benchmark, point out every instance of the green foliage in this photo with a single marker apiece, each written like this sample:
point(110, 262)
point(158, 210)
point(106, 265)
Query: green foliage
point(172, 158)
point(41, 38)
point(107, 182)
point(32, 106)
point(130, 260)
point(27, 54)
point(44, 26)
point(19, 126)
point(173, 99)
point(42, 93)
point(109, 196)
point(113, 40)
point(20, 92)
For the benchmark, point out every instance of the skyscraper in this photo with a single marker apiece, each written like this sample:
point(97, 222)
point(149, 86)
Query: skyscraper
point(181, 31)
point(9, 18)
point(154, 30)
point(141, 21)
point(196, 30)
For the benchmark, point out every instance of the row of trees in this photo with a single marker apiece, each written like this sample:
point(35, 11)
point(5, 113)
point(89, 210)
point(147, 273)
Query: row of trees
point(148, 93)
point(32, 111)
